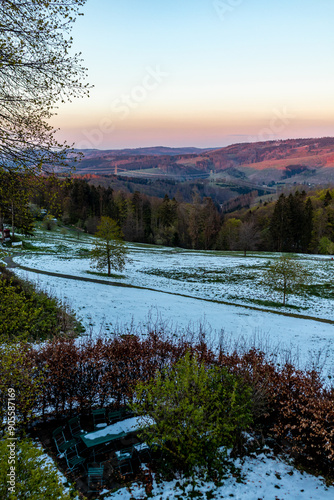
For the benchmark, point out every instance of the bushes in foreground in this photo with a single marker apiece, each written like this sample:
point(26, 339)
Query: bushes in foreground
point(198, 413)
point(291, 406)
point(27, 314)
point(24, 473)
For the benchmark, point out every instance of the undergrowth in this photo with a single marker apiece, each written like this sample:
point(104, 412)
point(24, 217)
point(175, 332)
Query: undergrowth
point(28, 314)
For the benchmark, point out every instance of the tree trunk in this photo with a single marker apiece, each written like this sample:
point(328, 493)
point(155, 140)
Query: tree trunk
point(108, 258)
point(12, 220)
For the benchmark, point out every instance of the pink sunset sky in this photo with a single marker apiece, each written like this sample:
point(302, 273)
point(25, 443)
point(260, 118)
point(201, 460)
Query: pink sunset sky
point(202, 73)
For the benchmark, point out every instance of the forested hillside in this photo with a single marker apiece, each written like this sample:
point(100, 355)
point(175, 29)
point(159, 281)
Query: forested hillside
point(290, 161)
point(296, 222)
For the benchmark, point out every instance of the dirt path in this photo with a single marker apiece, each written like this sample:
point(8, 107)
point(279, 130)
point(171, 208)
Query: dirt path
point(11, 264)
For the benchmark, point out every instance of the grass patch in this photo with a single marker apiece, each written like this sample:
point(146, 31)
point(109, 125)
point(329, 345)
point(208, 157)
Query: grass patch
point(202, 275)
point(82, 252)
point(271, 303)
point(323, 291)
point(266, 303)
point(26, 245)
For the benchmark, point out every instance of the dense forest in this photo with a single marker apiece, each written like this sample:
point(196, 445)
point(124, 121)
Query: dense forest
point(296, 222)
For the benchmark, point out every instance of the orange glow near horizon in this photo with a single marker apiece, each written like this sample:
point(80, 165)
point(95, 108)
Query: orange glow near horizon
point(209, 123)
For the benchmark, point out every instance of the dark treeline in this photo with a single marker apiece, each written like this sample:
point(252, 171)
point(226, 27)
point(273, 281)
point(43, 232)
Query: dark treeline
point(297, 222)
point(181, 190)
point(142, 218)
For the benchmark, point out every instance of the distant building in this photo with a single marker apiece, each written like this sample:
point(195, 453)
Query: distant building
point(5, 236)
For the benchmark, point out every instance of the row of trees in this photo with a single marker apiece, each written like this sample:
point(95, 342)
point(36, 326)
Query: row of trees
point(142, 218)
point(294, 223)
point(291, 225)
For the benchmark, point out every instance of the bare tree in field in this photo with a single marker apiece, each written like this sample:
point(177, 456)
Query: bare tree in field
point(285, 275)
point(249, 236)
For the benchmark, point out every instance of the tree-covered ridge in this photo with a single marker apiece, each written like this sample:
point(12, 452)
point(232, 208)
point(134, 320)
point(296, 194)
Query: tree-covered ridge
point(258, 164)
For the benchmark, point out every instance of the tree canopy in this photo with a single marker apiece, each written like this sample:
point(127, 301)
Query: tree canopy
point(36, 72)
point(109, 250)
point(30, 475)
point(285, 275)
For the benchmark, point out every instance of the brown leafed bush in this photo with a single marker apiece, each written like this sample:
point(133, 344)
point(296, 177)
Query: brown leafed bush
point(303, 415)
point(101, 372)
point(292, 405)
point(289, 404)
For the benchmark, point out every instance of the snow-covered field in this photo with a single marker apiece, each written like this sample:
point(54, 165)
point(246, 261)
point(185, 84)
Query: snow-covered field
point(218, 276)
point(104, 308)
point(180, 291)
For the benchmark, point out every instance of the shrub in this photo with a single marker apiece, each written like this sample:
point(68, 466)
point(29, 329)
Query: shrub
point(286, 404)
point(28, 314)
point(284, 275)
point(196, 411)
point(33, 478)
point(302, 414)
point(25, 313)
point(49, 223)
point(19, 372)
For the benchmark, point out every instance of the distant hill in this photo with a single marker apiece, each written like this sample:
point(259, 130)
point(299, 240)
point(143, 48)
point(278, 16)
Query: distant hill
point(289, 161)
point(293, 161)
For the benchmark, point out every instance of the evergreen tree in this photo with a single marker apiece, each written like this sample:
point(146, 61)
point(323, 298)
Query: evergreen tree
point(197, 412)
point(147, 214)
point(211, 223)
point(327, 199)
point(296, 223)
point(278, 223)
point(307, 226)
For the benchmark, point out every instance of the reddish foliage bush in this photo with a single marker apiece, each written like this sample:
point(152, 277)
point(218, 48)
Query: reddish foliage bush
point(303, 414)
point(291, 404)
point(101, 372)
point(287, 403)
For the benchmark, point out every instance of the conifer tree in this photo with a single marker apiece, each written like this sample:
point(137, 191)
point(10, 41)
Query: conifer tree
point(195, 410)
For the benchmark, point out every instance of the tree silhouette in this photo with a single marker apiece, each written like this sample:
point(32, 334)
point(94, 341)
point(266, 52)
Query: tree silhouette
point(36, 72)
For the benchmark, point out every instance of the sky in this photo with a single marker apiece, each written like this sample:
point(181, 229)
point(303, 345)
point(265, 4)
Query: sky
point(203, 73)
